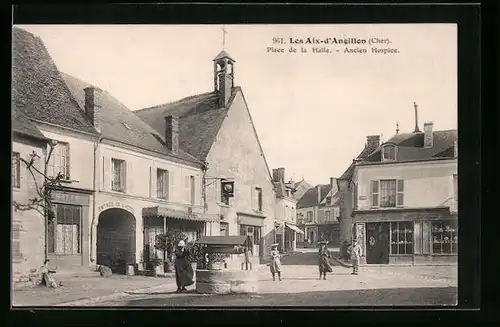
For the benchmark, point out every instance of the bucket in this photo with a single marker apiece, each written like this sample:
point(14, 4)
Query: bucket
point(130, 270)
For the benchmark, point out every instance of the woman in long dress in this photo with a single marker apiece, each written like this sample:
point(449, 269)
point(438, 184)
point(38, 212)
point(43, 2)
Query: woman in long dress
point(275, 261)
point(324, 260)
point(183, 269)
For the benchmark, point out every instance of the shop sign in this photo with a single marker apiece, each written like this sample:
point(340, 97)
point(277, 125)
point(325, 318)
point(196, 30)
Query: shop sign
point(116, 205)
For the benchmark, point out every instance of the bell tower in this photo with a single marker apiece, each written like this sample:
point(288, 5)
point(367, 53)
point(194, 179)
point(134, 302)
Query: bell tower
point(223, 77)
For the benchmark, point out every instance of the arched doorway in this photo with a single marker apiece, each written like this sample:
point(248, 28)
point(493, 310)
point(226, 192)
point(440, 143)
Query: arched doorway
point(116, 239)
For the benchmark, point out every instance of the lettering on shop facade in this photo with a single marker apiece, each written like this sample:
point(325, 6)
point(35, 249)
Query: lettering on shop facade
point(115, 205)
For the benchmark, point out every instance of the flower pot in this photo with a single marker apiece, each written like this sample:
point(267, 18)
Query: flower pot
point(169, 266)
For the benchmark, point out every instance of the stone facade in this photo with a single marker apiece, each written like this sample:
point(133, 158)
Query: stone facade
point(237, 156)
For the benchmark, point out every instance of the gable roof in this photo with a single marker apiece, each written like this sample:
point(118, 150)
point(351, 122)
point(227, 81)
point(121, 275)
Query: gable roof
point(310, 198)
point(411, 147)
point(119, 123)
point(200, 119)
point(22, 125)
point(38, 89)
point(301, 188)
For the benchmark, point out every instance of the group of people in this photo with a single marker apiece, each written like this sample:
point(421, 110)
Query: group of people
point(324, 259)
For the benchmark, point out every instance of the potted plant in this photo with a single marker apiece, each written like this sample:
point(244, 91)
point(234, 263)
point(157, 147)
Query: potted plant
point(154, 264)
point(196, 255)
point(167, 242)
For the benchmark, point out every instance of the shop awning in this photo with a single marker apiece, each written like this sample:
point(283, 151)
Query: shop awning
point(223, 240)
point(295, 229)
point(162, 212)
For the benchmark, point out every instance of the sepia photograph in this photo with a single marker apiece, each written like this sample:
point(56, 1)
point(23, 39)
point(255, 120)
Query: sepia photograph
point(234, 165)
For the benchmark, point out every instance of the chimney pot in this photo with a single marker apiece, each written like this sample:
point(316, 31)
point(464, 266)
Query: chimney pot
point(92, 105)
point(428, 135)
point(172, 133)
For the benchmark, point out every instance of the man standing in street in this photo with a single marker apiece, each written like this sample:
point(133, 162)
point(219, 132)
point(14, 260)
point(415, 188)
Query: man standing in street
point(355, 254)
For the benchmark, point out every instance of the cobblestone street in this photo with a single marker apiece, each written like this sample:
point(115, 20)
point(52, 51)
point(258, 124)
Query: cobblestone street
point(430, 285)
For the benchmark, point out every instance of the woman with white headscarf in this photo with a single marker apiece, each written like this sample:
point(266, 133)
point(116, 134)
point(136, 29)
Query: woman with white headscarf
point(183, 269)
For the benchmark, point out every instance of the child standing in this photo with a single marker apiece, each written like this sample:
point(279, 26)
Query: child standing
point(355, 255)
point(275, 261)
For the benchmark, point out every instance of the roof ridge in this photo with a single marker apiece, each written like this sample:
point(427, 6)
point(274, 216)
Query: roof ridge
point(173, 102)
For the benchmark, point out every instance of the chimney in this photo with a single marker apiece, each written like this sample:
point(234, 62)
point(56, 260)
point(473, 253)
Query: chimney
point(455, 148)
point(172, 133)
point(318, 187)
point(417, 130)
point(428, 136)
point(373, 141)
point(275, 175)
point(93, 105)
point(335, 188)
point(281, 175)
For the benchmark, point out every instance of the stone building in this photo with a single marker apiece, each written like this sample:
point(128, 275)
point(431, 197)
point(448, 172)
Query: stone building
point(285, 212)
point(40, 94)
point(216, 127)
point(405, 198)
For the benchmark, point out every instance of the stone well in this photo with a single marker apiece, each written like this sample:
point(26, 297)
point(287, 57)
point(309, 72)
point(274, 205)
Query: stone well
point(226, 281)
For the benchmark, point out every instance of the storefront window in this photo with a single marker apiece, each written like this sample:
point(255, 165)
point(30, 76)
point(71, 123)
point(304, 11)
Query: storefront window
point(401, 238)
point(444, 237)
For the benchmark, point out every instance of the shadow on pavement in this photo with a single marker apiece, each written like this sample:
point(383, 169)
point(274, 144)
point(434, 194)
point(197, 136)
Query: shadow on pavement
point(305, 259)
point(372, 297)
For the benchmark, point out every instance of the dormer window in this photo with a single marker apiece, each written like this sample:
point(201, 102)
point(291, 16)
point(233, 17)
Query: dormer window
point(389, 152)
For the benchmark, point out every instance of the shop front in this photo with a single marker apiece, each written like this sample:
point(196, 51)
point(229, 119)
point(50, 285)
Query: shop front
point(291, 232)
point(407, 236)
point(251, 226)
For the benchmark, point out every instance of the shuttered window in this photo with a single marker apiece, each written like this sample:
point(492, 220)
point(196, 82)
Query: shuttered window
point(387, 193)
point(59, 160)
point(119, 170)
point(400, 192)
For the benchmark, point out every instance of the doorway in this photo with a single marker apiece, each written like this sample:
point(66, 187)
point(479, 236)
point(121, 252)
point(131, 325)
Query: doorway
point(377, 243)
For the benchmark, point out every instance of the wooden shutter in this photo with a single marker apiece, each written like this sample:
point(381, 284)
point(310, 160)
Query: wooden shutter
point(172, 189)
point(16, 240)
point(67, 162)
point(128, 185)
point(400, 192)
point(355, 195)
point(167, 184)
point(152, 182)
point(374, 193)
point(252, 198)
point(417, 238)
point(187, 193)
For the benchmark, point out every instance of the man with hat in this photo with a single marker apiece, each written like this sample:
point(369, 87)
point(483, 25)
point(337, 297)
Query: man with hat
point(324, 260)
point(355, 255)
point(275, 265)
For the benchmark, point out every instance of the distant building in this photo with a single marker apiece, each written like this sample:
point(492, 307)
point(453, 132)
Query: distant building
point(318, 211)
point(285, 212)
point(216, 128)
point(405, 198)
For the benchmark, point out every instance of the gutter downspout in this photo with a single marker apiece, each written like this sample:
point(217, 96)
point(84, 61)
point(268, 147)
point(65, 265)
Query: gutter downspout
point(94, 220)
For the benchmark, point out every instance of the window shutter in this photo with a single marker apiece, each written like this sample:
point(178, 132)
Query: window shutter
point(400, 191)
point(67, 163)
point(167, 185)
point(16, 240)
point(374, 193)
point(417, 238)
point(355, 193)
point(252, 198)
point(152, 182)
point(425, 238)
point(186, 189)
point(172, 188)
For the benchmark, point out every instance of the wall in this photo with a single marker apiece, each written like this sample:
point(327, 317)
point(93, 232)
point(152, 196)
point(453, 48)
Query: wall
point(236, 154)
point(281, 213)
point(426, 184)
point(30, 223)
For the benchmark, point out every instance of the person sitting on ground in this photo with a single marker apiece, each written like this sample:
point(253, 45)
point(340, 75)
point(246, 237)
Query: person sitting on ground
point(46, 278)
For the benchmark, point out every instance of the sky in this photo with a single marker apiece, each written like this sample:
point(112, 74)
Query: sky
point(312, 111)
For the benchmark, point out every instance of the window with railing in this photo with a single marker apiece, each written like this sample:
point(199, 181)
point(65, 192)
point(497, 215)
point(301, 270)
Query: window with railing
point(119, 169)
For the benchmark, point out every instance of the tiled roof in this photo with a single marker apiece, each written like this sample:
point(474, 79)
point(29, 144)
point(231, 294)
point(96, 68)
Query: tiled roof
point(119, 123)
point(280, 189)
point(22, 125)
point(410, 147)
point(38, 89)
point(310, 198)
point(200, 119)
point(223, 54)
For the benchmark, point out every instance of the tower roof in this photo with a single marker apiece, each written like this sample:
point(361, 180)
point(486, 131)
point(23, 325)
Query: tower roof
point(223, 54)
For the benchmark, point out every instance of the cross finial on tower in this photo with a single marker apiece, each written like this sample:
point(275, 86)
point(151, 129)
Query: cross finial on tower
point(224, 32)
point(397, 127)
